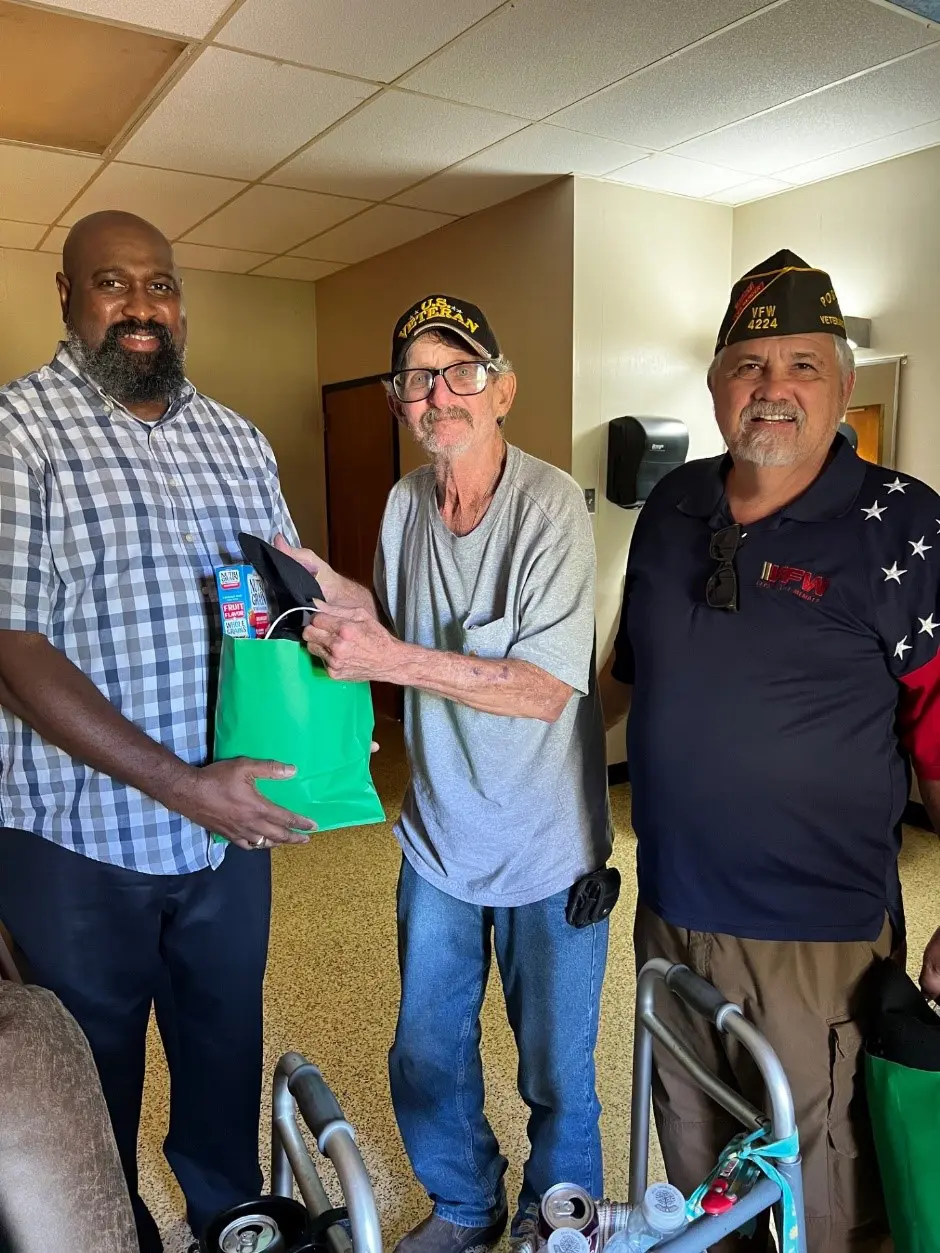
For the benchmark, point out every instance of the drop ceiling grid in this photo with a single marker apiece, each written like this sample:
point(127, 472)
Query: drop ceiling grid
point(482, 8)
point(224, 10)
point(836, 39)
point(720, 44)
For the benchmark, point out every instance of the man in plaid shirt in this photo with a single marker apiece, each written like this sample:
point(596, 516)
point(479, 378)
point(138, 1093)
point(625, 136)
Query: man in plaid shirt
point(121, 489)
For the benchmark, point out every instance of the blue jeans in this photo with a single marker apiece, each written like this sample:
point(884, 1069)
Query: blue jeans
point(552, 975)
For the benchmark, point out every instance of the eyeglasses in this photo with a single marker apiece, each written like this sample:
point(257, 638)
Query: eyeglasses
point(464, 378)
point(721, 590)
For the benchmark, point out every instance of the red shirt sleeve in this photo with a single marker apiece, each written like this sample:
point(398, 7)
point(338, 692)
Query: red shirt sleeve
point(919, 718)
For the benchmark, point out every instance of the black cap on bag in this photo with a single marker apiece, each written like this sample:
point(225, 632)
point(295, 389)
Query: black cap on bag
point(444, 313)
point(781, 296)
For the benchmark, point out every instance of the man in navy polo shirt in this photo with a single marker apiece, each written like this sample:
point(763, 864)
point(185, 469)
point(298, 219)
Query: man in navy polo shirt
point(778, 650)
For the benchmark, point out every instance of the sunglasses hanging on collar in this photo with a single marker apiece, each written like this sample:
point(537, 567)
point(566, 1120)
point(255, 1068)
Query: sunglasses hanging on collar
point(721, 590)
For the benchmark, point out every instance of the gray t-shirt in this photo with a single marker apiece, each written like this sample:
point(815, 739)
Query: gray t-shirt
point(500, 811)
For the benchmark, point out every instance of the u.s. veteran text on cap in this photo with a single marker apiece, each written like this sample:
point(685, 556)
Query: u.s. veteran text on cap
point(444, 313)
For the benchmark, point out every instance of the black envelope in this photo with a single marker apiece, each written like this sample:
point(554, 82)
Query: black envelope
point(289, 585)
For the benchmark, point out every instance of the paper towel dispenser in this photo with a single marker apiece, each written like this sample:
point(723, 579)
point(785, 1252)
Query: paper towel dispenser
point(641, 451)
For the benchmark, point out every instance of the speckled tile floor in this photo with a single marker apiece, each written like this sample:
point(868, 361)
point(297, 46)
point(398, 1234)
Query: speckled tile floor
point(332, 989)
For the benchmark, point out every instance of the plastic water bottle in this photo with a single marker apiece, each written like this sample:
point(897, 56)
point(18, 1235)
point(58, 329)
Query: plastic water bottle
point(661, 1215)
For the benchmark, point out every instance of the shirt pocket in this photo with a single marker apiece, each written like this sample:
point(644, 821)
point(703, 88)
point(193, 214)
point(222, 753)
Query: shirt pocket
point(491, 639)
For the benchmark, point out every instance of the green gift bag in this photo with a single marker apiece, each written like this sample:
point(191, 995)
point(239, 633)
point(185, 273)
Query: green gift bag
point(902, 1076)
point(277, 703)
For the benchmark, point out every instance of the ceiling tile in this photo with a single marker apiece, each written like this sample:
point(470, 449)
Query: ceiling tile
point(753, 189)
point(299, 268)
point(535, 56)
point(237, 115)
point(180, 17)
point(35, 186)
point(866, 154)
point(383, 227)
point(394, 141)
point(869, 107)
point(173, 202)
point(329, 36)
point(515, 165)
point(273, 219)
point(46, 58)
point(662, 172)
point(55, 240)
point(676, 100)
point(20, 234)
point(229, 260)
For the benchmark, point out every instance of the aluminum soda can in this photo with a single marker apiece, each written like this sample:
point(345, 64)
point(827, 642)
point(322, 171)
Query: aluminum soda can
point(242, 601)
point(566, 1207)
point(252, 1233)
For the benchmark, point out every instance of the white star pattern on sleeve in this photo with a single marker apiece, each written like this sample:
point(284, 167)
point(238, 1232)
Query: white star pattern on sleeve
point(877, 510)
point(927, 626)
point(896, 486)
point(902, 647)
point(893, 573)
point(920, 547)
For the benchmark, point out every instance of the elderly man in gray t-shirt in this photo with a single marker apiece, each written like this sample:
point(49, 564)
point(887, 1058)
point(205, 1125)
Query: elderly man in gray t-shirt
point(484, 575)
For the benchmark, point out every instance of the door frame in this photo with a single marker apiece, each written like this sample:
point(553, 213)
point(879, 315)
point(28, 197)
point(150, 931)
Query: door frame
point(325, 391)
point(866, 393)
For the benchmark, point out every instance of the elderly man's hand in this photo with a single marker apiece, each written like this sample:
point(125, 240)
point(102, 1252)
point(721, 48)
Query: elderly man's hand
point(330, 582)
point(930, 973)
point(352, 645)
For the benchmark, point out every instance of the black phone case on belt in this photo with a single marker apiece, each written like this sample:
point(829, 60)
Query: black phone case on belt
point(593, 897)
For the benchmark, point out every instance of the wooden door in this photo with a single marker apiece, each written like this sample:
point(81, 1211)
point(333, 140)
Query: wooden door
point(868, 424)
point(361, 454)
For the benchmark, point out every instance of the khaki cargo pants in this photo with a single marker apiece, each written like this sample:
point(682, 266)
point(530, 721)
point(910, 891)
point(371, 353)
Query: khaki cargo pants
point(804, 998)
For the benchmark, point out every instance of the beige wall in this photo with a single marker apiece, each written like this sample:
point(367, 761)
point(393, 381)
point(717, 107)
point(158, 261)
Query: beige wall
point(651, 282)
point(30, 321)
point(876, 232)
point(608, 300)
point(252, 345)
point(515, 262)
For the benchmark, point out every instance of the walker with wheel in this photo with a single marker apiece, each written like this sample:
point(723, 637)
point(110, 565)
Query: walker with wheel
point(768, 1143)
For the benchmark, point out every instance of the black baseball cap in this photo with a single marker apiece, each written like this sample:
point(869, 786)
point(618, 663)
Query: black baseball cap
point(444, 313)
point(782, 296)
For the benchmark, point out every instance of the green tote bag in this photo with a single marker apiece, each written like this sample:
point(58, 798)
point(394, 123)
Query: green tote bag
point(277, 703)
point(902, 1079)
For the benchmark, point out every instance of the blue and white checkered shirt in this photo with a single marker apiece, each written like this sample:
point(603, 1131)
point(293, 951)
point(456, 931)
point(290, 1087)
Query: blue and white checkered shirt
point(110, 531)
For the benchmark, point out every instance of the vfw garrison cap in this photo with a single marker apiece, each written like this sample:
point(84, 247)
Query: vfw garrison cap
point(781, 296)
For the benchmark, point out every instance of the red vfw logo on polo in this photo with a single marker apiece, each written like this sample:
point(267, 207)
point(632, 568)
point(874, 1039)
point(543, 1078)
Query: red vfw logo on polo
point(802, 583)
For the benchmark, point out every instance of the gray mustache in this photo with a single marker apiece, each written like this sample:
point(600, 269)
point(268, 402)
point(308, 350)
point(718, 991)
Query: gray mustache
point(772, 409)
point(453, 413)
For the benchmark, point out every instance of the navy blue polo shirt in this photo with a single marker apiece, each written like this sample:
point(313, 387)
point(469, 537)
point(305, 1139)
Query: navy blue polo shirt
point(770, 749)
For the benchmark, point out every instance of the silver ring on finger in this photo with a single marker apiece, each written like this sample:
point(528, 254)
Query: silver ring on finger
point(262, 843)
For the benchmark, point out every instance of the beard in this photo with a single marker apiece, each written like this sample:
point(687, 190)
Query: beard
point(762, 441)
point(132, 377)
point(428, 437)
